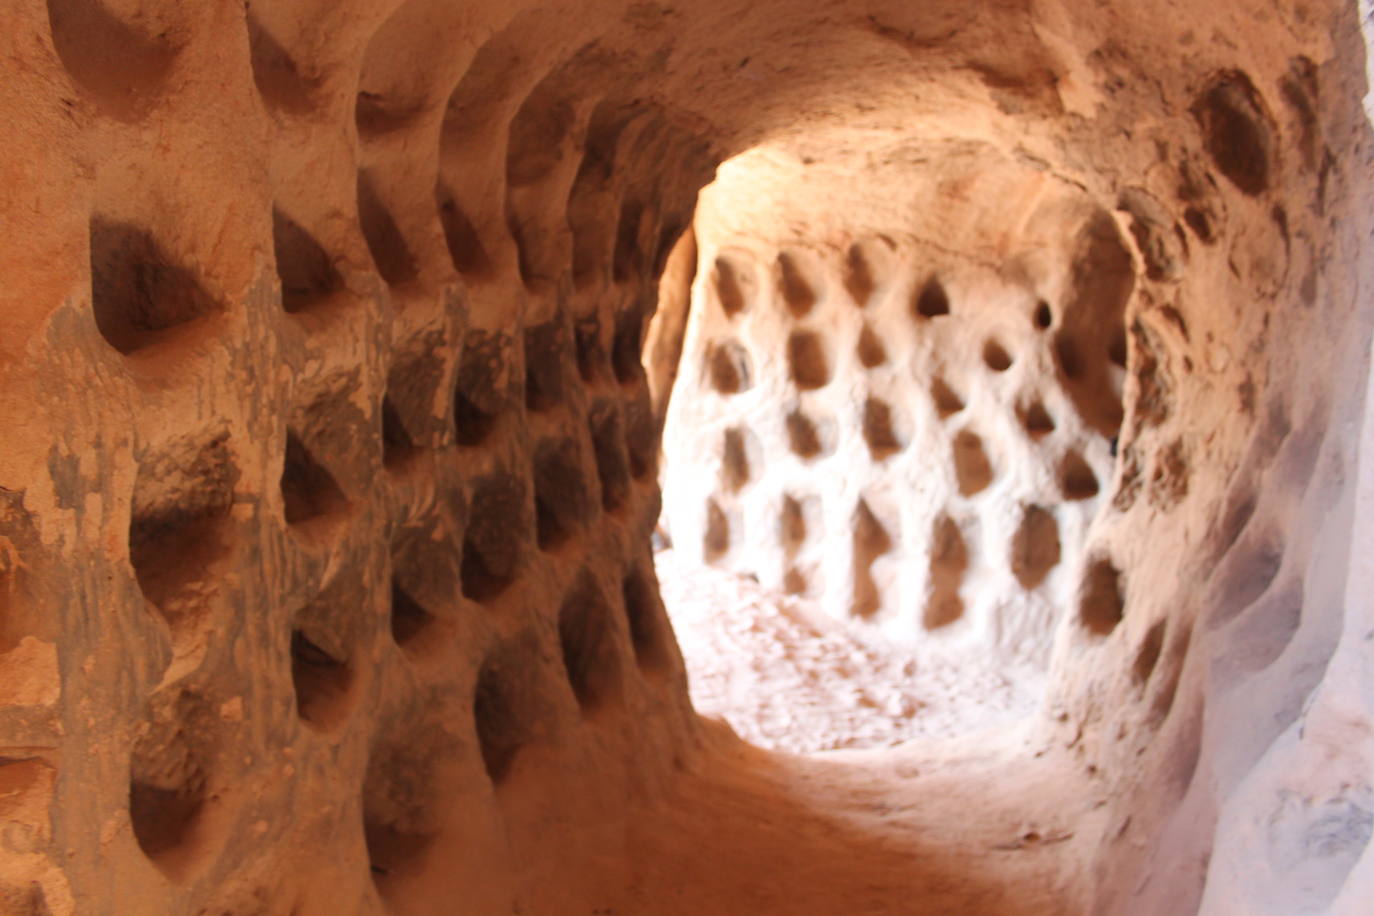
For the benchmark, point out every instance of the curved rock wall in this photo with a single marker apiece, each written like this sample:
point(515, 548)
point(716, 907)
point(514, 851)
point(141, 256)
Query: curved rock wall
point(903, 403)
point(330, 464)
point(328, 523)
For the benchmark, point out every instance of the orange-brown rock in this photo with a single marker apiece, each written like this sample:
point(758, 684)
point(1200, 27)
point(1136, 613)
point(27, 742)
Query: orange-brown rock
point(330, 463)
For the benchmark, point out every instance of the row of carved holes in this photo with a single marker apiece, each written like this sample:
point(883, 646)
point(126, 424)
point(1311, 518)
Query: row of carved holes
point(973, 470)
point(736, 286)
point(132, 65)
point(506, 699)
point(323, 677)
point(1034, 551)
point(308, 274)
point(164, 813)
point(140, 292)
point(729, 369)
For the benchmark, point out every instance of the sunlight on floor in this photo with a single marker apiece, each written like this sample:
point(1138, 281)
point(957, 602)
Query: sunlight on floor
point(787, 678)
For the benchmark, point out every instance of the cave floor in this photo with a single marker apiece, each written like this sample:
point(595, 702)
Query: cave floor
point(785, 677)
point(956, 803)
point(987, 825)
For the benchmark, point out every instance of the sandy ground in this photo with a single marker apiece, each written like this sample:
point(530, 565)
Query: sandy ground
point(981, 825)
point(786, 678)
point(985, 817)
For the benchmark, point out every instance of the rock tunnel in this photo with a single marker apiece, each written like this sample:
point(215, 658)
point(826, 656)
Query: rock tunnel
point(348, 344)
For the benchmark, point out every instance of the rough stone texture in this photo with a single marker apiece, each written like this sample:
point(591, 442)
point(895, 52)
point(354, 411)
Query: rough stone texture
point(329, 466)
point(785, 676)
point(902, 408)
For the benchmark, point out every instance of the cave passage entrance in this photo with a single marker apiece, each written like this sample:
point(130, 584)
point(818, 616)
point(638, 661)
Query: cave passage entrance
point(884, 447)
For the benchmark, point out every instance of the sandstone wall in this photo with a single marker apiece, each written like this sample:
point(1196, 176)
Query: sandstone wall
point(902, 399)
point(329, 464)
point(328, 506)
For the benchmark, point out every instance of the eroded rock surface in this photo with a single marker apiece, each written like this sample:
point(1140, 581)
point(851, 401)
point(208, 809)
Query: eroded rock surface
point(903, 416)
point(784, 676)
point(330, 463)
